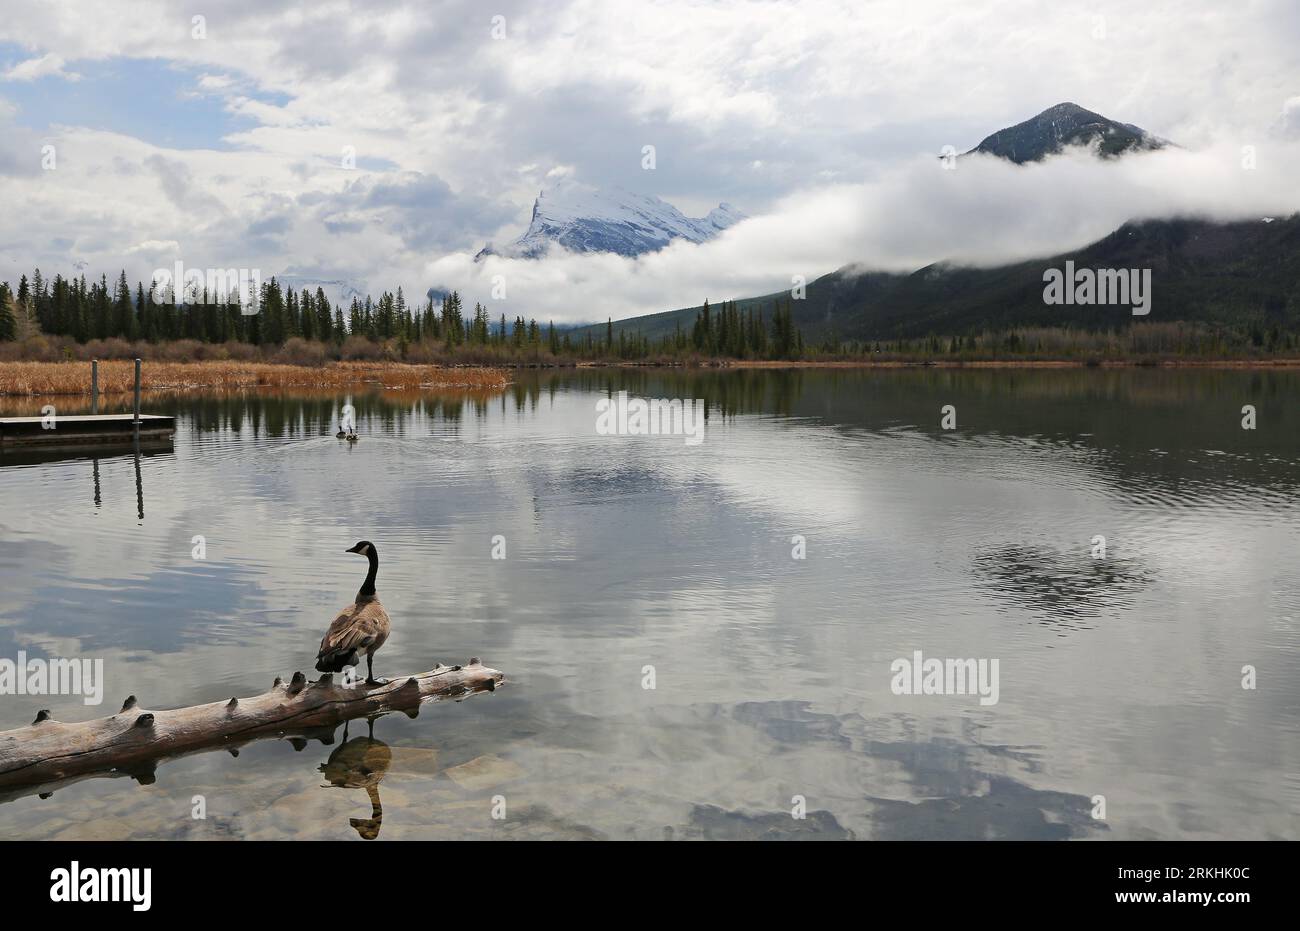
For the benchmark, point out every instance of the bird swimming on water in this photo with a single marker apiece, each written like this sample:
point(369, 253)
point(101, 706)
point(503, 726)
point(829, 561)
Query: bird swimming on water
point(340, 434)
point(362, 626)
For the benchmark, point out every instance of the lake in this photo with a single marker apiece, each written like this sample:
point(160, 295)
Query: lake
point(699, 640)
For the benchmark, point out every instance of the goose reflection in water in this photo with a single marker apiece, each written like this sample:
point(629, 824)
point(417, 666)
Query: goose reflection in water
point(360, 763)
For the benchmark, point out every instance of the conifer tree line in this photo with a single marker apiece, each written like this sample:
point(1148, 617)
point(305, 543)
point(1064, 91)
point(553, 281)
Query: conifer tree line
point(99, 310)
point(95, 310)
point(740, 334)
point(82, 311)
point(727, 331)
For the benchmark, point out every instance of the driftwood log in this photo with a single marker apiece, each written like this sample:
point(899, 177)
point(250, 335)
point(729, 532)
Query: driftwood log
point(48, 754)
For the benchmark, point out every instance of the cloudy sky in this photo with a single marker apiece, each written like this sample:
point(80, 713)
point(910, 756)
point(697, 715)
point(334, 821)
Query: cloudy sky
point(385, 143)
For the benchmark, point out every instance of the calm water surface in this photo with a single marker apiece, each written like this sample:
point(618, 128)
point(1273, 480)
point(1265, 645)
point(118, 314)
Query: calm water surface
point(1119, 677)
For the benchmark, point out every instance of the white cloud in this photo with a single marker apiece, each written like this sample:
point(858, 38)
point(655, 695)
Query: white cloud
point(1289, 122)
point(817, 117)
point(154, 246)
point(215, 82)
point(987, 211)
point(50, 65)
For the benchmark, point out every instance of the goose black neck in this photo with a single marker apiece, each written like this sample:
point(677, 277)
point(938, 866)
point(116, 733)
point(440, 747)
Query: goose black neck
point(368, 588)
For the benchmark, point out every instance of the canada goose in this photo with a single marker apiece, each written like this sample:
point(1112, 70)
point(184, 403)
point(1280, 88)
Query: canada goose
point(352, 434)
point(340, 434)
point(362, 625)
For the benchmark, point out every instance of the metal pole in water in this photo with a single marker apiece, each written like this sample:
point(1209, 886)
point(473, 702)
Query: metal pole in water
point(94, 386)
point(137, 397)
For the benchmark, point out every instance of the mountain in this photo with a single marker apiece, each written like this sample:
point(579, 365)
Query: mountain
point(947, 299)
point(339, 291)
point(582, 218)
point(1066, 124)
point(1220, 273)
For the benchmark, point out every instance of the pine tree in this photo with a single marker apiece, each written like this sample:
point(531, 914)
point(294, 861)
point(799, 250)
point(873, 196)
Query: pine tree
point(41, 304)
point(123, 312)
point(307, 316)
point(325, 328)
point(8, 326)
point(144, 314)
point(453, 324)
point(102, 310)
point(273, 323)
point(292, 320)
point(356, 324)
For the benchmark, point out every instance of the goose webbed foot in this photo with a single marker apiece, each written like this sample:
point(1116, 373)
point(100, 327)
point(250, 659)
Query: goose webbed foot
point(376, 681)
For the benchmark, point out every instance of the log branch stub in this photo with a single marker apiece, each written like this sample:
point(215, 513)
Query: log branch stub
point(129, 703)
point(42, 716)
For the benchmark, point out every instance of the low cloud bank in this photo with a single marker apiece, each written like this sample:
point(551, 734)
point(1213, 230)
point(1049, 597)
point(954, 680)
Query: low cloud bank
point(983, 211)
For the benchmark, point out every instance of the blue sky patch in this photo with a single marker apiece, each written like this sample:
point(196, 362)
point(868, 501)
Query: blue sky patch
point(154, 100)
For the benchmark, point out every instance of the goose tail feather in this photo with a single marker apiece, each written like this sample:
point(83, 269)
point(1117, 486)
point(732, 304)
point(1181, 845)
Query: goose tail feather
point(335, 660)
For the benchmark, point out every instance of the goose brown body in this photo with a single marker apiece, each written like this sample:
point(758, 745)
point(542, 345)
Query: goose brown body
point(360, 628)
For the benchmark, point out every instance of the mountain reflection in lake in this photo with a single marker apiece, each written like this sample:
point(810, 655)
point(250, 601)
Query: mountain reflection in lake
point(1119, 678)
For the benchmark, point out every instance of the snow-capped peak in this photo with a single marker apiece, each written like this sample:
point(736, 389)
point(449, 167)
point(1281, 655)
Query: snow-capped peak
point(582, 218)
point(723, 216)
point(340, 292)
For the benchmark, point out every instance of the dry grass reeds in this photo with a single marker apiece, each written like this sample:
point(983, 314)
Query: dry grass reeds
point(118, 376)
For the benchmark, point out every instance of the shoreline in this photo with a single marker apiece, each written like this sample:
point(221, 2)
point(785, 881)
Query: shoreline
point(117, 377)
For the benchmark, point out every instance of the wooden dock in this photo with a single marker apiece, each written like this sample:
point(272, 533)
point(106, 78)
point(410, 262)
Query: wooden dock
point(74, 431)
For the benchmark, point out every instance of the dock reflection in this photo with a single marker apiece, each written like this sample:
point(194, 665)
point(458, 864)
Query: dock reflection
point(138, 450)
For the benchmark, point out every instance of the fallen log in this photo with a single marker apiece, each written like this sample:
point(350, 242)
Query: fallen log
point(47, 753)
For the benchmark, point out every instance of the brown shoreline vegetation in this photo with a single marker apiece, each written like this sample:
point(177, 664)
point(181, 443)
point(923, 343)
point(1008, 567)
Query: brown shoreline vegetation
point(116, 377)
point(26, 379)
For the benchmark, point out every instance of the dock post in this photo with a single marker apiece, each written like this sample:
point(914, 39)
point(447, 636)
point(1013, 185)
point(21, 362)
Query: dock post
point(137, 397)
point(94, 386)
